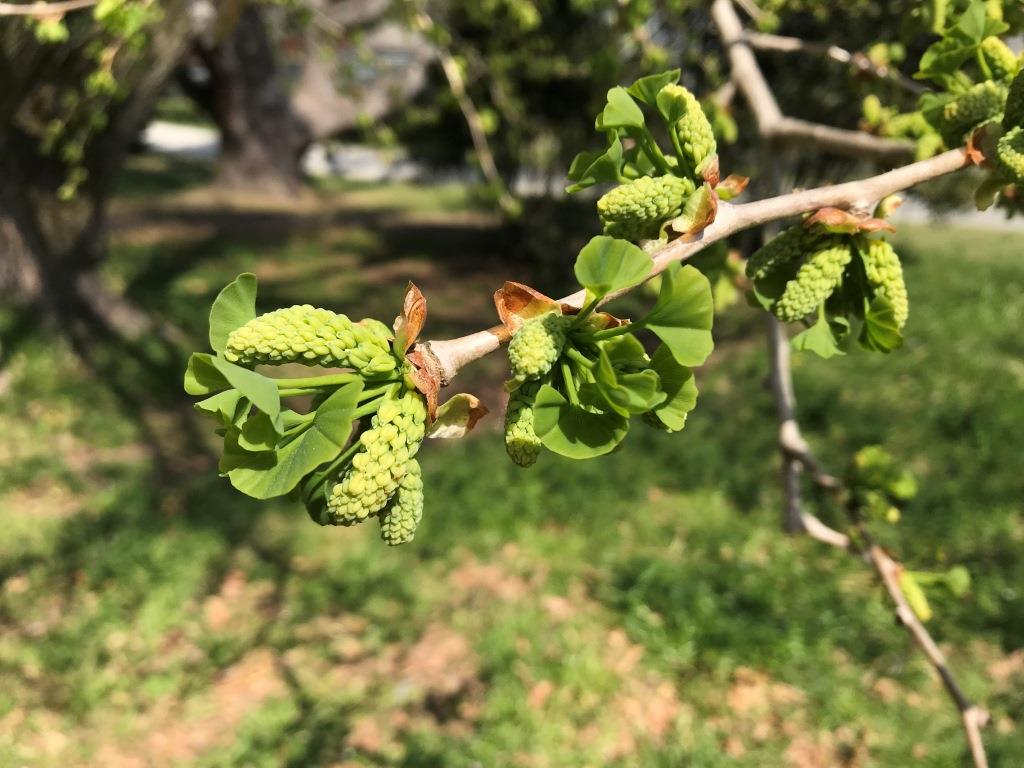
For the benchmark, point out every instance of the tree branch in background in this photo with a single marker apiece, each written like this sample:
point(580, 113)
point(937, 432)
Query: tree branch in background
point(792, 445)
point(761, 41)
point(482, 148)
point(795, 451)
point(775, 127)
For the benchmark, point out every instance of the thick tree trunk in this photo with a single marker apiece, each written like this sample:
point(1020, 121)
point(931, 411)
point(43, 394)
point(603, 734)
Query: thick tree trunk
point(265, 126)
point(261, 140)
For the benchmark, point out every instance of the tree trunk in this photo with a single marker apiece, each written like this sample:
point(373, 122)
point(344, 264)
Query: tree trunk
point(49, 248)
point(261, 140)
point(265, 126)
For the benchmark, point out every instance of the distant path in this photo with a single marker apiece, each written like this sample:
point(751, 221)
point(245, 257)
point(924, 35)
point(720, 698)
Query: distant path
point(350, 161)
point(369, 164)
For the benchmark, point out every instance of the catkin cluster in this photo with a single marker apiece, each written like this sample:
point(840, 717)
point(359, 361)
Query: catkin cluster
point(1002, 63)
point(885, 274)
point(979, 104)
point(312, 336)
point(694, 132)
point(537, 345)
point(815, 281)
point(384, 457)
point(636, 211)
point(521, 441)
point(401, 517)
point(783, 249)
point(1010, 154)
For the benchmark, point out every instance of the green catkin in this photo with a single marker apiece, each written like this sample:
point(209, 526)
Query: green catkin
point(521, 442)
point(1014, 115)
point(885, 274)
point(1010, 154)
point(386, 448)
point(815, 281)
point(1001, 61)
point(981, 103)
point(312, 336)
point(537, 345)
point(783, 249)
point(915, 596)
point(401, 517)
point(636, 211)
point(695, 134)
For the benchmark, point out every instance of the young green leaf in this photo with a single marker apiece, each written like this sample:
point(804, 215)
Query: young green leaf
point(574, 432)
point(881, 332)
point(974, 24)
point(591, 168)
point(319, 444)
point(260, 433)
point(818, 339)
point(915, 596)
point(620, 111)
point(261, 390)
point(201, 375)
point(672, 104)
point(606, 264)
point(943, 58)
point(683, 315)
point(646, 88)
point(625, 352)
point(680, 389)
point(234, 306)
point(225, 406)
point(633, 394)
point(628, 394)
point(234, 456)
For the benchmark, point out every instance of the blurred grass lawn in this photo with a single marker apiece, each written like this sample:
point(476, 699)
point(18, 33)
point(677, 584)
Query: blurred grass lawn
point(642, 609)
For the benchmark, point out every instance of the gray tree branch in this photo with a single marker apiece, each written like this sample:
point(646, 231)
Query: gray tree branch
point(775, 127)
point(797, 455)
point(761, 41)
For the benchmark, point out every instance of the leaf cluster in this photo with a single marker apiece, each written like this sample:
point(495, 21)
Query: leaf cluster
point(631, 149)
point(980, 99)
point(878, 485)
point(604, 376)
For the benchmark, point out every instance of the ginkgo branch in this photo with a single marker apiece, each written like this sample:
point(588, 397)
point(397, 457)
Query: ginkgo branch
point(449, 356)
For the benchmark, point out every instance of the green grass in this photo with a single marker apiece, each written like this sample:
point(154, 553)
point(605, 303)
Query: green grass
point(642, 609)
